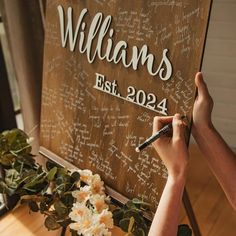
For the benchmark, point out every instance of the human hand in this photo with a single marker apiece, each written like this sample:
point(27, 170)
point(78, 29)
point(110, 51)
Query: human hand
point(203, 105)
point(172, 150)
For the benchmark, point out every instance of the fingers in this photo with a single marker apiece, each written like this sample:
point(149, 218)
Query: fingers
point(160, 121)
point(201, 85)
point(177, 123)
point(178, 127)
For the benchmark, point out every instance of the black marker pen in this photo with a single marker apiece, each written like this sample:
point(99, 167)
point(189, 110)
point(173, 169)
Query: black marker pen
point(154, 137)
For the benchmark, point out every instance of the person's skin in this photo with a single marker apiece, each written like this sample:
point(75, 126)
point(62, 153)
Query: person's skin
point(219, 156)
point(174, 153)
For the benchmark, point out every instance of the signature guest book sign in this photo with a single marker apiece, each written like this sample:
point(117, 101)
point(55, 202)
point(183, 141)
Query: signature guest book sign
point(110, 66)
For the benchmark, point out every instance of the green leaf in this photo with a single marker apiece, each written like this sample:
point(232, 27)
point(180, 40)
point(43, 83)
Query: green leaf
point(11, 178)
point(65, 222)
point(118, 214)
point(7, 159)
point(51, 174)
point(5, 189)
point(27, 176)
point(17, 141)
point(75, 176)
point(130, 204)
point(62, 172)
point(51, 164)
point(51, 223)
point(27, 161)
point(43, 206)
point(131, 224)
point(3, 145)
point(60, 209)
point(33, 206)
point(139, 232)
point(184, 230)
point(137, 201)
point(132, 213)
point(35, 181)
point(63, 183)
point(68, 200)
point(124, 224)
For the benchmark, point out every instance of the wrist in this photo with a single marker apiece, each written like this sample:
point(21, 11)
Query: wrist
point(202, 129)
point(179, 180)
point(178, 176)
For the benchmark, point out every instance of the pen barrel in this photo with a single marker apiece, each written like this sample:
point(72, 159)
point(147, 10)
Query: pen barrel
point(149, 141)
point(154, 137)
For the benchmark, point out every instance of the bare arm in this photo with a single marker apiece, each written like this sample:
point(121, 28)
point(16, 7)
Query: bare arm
point(173, 152)
point(220, 157)
point(166, 219)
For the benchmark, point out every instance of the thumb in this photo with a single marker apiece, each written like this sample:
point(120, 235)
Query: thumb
point(201, 85)
point(178, 127)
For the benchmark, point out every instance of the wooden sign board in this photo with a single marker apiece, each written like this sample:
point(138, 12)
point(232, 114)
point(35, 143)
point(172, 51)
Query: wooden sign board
point(109, 68)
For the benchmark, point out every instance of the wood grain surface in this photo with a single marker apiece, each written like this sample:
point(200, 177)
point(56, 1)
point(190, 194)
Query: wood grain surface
point(98, 129)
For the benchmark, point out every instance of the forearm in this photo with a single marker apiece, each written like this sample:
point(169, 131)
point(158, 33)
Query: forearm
point(220, 158)
point(166, 219)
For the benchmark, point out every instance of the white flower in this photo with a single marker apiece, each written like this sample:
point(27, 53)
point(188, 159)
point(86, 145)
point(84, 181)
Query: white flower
point(106, 218)
point(83, 226)
point(97, 185)
point(86, 176)
point(75, 226)
point(98, 230)
point(83, 194)
point(79, 211)
point(98, 201)
point(91, 221)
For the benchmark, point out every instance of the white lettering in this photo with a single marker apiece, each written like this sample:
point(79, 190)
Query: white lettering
point(99, 28)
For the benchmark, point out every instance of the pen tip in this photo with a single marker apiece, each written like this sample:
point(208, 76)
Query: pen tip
point(137, 149)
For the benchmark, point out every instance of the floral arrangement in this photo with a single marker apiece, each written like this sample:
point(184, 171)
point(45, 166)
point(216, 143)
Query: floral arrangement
point(68, 198)
point(90, 212)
